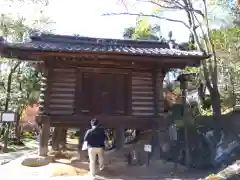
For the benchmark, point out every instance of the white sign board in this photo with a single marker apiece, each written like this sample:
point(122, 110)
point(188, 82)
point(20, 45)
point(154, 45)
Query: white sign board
point(173, 132)
point(8, 117)
point(148, 148)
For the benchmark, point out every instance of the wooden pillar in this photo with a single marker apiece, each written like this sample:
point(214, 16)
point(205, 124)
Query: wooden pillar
point(43, 119)
point(55, 143)
point(82, 154)
point(44, 137)
point(156, 92)
point(63, 139)
point(160, 74)
point(46, 83)
point(120, 137)
point(155, 128)
point(78, 92)
point(129, 92)
point(59, 138)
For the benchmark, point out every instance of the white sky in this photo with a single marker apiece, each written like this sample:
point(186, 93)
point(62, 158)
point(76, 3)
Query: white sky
point(83, 17)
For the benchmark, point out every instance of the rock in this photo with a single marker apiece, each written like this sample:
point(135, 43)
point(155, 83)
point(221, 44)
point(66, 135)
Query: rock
point(63, 161)
point(214, 177)
point(74, 160)
point(61, 154)
point(4, 161)
point(67, 170)
point(36, 161)
point(232, 172)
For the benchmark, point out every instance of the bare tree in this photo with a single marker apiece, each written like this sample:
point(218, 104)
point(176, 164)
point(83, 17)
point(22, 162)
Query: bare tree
point(198, 26)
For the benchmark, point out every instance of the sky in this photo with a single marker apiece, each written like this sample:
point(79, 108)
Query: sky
point(84, 17)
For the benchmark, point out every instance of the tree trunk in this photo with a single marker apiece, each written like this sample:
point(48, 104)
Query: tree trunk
point(201, 91)
point(8, 93)
point(17, 128)
point(5, 131)
point(216, 104)
point(9, 85)
point(216, 107)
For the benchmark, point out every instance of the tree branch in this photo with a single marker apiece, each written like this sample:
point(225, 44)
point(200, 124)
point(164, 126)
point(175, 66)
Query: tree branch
point(147, 15)
point(173, 5)
point(124, 4)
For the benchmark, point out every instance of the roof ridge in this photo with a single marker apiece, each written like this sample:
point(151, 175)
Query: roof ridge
point(54, 38)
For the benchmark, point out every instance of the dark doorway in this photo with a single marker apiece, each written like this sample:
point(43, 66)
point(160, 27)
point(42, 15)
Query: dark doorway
point(104, 94)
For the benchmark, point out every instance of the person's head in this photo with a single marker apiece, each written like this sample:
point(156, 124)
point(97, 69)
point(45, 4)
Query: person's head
point(94, 122)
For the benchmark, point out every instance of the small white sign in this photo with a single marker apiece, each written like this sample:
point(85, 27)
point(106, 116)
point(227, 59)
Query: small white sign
point(148, 148)
point(8, 117)
point(173, 132)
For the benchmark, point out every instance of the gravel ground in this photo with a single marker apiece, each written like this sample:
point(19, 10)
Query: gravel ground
point(7, 157)
point(44, 173)
point(117, 170)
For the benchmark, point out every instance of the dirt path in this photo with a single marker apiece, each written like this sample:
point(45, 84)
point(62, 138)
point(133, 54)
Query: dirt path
point(28, 148)
point(115, 171)
point(116, 168)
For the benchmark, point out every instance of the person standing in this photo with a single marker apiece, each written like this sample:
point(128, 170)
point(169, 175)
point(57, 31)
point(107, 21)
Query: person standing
point(95, 138)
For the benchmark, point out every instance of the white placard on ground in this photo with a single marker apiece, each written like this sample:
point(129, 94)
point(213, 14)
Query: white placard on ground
point(148, 148)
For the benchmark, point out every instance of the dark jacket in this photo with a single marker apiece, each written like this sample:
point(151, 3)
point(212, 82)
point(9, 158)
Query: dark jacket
point(95, 137)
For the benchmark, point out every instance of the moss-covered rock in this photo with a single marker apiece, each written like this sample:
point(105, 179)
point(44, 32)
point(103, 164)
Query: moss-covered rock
point(232, 172)
point(213, 177)
point(36, 162)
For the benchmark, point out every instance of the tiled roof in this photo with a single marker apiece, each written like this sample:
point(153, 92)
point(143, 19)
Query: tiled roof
point(59, 43)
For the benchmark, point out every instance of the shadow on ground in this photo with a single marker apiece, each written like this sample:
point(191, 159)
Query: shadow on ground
point(66, 163)
point(116, 166)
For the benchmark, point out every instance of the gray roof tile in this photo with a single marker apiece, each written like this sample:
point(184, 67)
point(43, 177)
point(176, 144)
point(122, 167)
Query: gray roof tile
point(59, 43)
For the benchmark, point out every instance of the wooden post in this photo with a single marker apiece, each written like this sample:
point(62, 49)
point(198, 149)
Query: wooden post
point(44, 137)
point(155, 132)
point(63, 139)
point(82, 154)
point(59, 138)
point(56, 138)
point(120, 137)
point(156, 90)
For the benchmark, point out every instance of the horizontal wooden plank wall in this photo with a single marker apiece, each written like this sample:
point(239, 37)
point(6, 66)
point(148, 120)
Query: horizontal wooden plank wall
point(62, 91)
point(142, 94)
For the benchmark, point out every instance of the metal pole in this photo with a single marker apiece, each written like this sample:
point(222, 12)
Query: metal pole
point(148, 158)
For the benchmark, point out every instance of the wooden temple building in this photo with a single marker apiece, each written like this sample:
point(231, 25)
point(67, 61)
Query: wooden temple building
point(117, 81)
